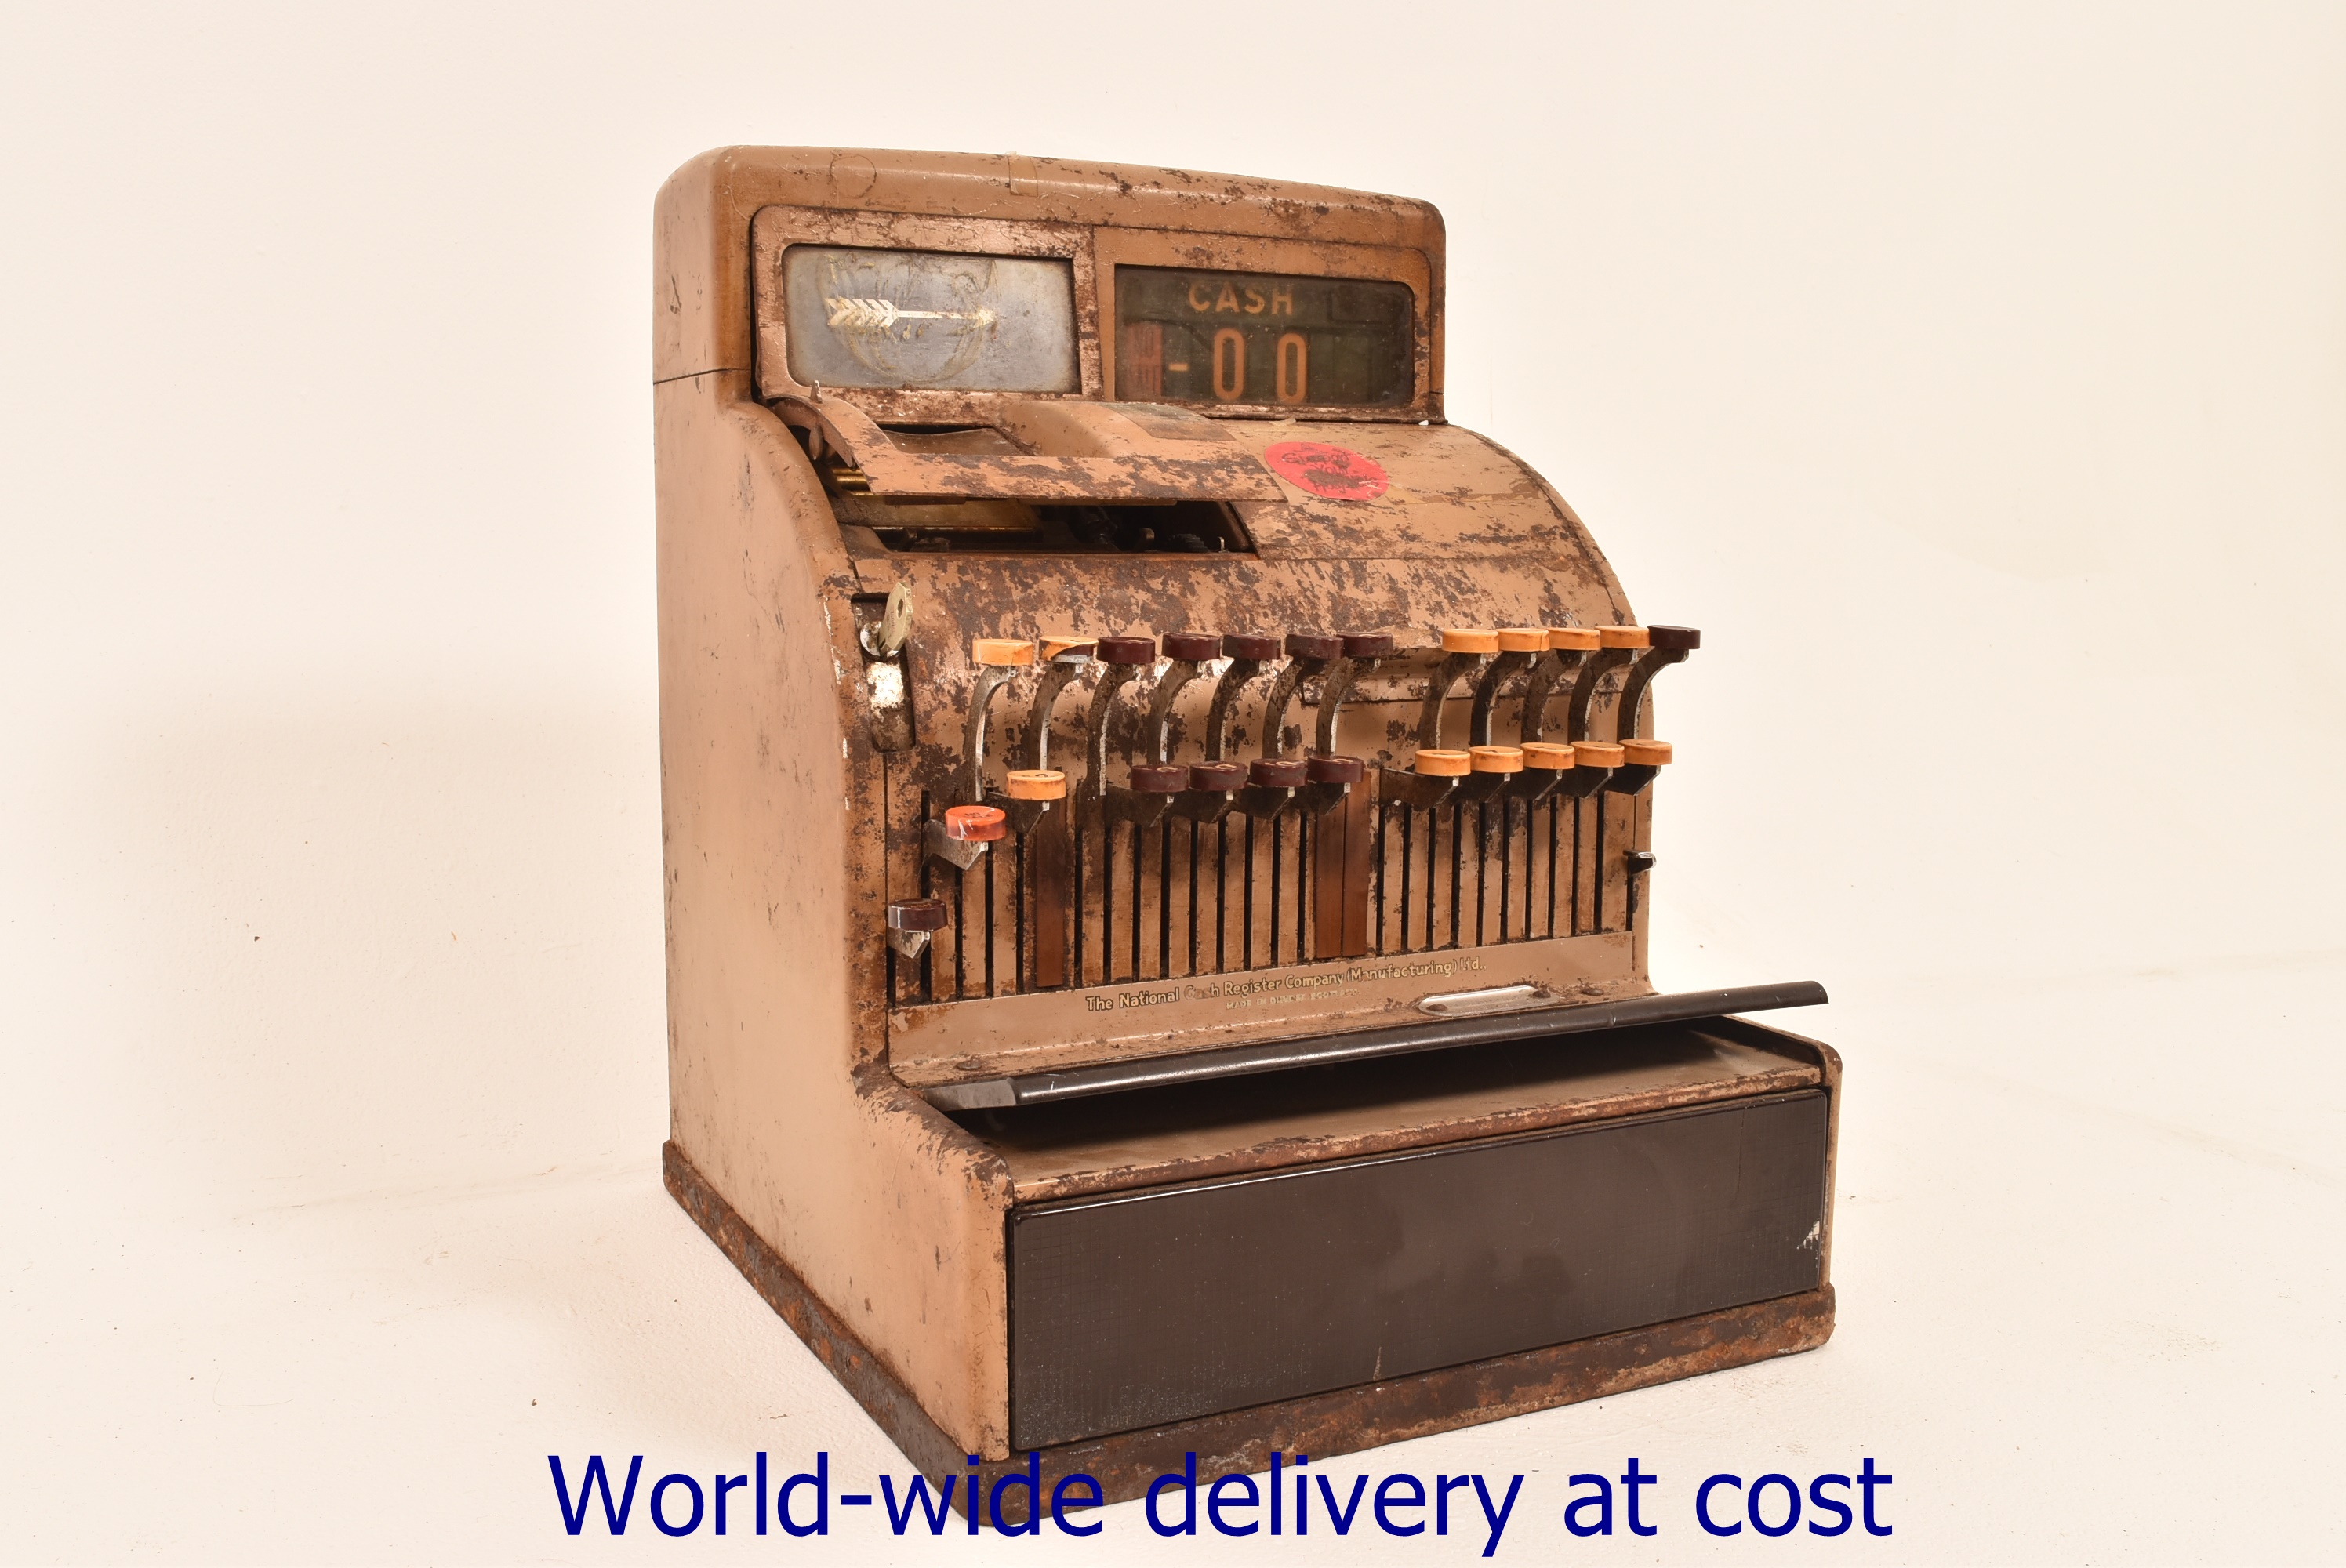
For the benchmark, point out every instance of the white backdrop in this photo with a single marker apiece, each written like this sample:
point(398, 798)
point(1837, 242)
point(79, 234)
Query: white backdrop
point(1976, 378)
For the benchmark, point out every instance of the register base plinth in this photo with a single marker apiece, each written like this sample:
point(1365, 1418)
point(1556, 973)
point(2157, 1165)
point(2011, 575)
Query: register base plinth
point(1241, 1442)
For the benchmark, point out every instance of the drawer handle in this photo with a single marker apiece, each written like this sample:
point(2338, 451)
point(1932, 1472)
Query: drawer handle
point(1494, 999)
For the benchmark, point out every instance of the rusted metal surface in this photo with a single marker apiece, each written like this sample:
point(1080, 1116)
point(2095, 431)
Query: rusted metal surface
point(1077, 452)
point(1133, 1020)
point(1462, 534)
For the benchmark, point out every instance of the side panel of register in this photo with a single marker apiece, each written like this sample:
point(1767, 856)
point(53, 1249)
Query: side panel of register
point(887, 1213)
point(1158, 1307)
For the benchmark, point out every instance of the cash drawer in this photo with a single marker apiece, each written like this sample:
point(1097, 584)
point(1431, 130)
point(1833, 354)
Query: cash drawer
point(1137, 1308)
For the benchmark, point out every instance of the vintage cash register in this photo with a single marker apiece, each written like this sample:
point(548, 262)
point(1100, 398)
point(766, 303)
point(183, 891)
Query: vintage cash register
point(1157, 835)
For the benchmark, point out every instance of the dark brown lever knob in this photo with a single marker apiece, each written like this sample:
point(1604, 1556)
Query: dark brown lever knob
point(1250, 645)
point(1278, 772)
point(1125, 650)
point(1195, 647)
point(1335, 770)
point(1219, 777)
point(911, 923)
point(1159, 779)
point(917, 915)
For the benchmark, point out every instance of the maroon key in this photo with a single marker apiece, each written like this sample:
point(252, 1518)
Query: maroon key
point(917, 915)
point(1220, 776)
point(1125, 650)
point(1278, 772)
point(1195, 647)
point(1160, 778)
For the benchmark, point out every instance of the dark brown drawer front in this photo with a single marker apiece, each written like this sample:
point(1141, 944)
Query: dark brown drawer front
point(1140, 1309)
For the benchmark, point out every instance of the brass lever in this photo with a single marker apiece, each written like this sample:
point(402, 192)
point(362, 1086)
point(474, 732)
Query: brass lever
point(1433, 774)
point(1567, 646)
point(1618, 645)
point(1518, 648)
point(999, 660)
point(1215, 783)
point(1463, 651)
point(1274, 777)
point(1362, 651)
point(1120, 659)
point(1333, 775)
point(1064, 659)
point(1248, 653)
point(1308, 653)
point(1666, 646)
point(1188, 652)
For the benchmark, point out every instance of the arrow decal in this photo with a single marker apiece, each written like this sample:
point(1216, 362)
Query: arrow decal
point(876, 315)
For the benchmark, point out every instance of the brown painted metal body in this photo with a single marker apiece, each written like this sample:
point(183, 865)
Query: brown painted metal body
point(1061, 570)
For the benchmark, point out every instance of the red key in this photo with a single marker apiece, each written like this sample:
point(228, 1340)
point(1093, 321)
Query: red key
point(976, 824)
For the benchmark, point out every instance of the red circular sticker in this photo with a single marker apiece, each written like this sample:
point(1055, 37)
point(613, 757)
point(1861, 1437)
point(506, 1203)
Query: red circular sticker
point(1335, 471)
